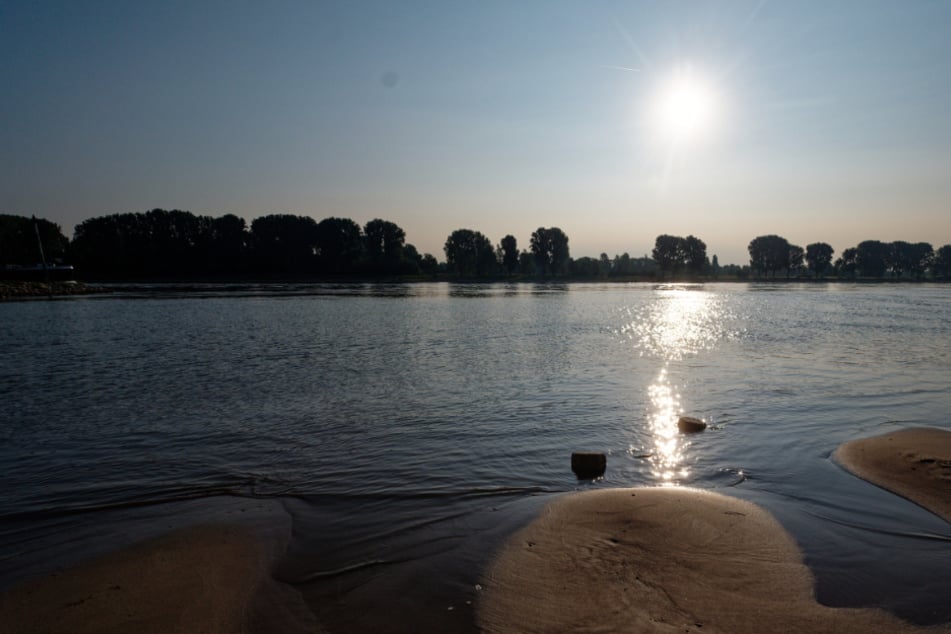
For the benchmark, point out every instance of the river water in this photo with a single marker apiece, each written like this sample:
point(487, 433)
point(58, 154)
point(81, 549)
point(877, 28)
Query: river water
point(391, 435)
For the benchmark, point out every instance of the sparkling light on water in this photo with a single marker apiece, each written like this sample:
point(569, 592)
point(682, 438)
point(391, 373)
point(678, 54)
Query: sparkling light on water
point(667, 459)
point(679, 323)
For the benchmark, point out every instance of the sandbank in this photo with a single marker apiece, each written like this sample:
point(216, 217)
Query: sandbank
point(660, 560)
point(914, 463)
point(203, 579)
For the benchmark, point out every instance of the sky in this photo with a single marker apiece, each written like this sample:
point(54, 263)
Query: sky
point(614, 121)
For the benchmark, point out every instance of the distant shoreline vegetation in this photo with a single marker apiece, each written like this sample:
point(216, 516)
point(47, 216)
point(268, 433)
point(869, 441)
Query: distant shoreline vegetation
point(179, 245)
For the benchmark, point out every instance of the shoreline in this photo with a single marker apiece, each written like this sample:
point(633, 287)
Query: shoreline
point(22, 291)
point(27, 290)
point(642, 559)
point(914, 463)
point(658, 560)
point(208, 578)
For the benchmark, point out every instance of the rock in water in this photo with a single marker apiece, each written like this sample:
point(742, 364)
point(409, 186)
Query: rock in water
point(588, 464)
point(690, 425)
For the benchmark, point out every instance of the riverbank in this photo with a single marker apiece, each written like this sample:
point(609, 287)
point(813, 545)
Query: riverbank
point(913, 463)
point(628, 560)
point(238, 287)
point(201, 579)
point(675, 559)
point(657, 560)
point(12, 289)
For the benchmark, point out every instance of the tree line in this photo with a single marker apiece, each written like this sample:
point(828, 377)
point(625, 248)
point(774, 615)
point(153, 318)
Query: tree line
point(176, 243)
point(179, 243)
point(772, 254)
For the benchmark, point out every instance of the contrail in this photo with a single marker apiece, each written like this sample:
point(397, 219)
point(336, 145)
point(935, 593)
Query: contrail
point(630, 41)
point(754, 13)
point(627, 68)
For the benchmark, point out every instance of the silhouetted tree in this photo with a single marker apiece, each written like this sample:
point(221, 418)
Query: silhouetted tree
point(509, 249)
point(604, 264)
point(155, 243)
point(694, 254)
point(177, 242)
point(469, 253)
point(428, 264)
point(18, 240)
point(339, 245)
point(904, 257)
point(795, 263)
point(229, 245)
point(818, 257)
point(673, 254)
point(921, 259)
point(284, 243)
point(585, 267)
point(550, 248)
point(735, 270)
point(384, 245)
point(847, 264)
point(871, 258)
point(644, 266)
point(769, 254)
point(941, 267)
point(411, 262)
point(526, 263)
point(622, 266)
point(669, 253)
point(898, 257)
point(112, 245)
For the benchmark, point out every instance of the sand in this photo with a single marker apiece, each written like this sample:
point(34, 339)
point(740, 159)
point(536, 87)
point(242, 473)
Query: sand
point(619, 560)
point(914, 463)
point(206, 579)
point(660, 560)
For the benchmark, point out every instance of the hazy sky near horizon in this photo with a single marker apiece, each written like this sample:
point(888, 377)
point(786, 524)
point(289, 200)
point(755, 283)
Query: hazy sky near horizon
point(822, 121)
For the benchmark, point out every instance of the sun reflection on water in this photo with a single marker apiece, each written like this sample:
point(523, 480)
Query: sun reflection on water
point(667, 458)
point(677, 324)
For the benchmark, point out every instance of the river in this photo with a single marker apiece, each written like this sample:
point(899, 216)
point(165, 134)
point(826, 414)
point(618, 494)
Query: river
point(391, 435)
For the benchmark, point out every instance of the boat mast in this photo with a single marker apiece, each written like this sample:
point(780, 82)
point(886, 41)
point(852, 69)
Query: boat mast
point(39, 242)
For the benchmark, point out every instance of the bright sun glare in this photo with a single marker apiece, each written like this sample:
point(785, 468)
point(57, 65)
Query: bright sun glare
point(685, 107)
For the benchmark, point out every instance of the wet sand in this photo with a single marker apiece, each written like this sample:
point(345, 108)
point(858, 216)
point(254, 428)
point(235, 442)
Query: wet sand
point(627, 560)
point(913, 463)
point(206, 579)
point(660, 560)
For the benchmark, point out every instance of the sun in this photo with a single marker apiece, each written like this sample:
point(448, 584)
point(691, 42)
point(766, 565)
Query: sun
point(685, 107)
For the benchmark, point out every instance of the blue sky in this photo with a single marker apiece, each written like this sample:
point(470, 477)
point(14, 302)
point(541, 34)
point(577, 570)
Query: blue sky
point(832, 118)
